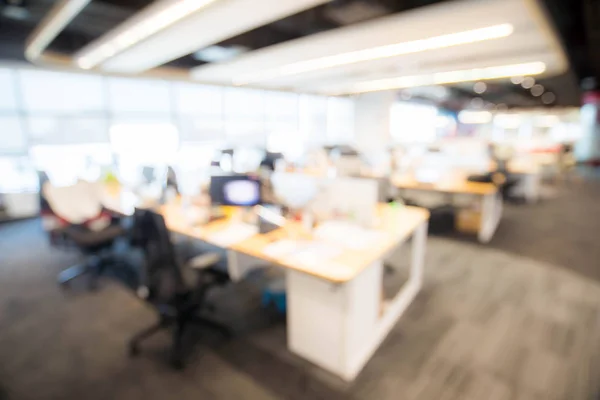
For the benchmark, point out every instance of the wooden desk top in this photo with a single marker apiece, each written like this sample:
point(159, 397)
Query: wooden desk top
point(445, 185)
point(396, 224)
point(177, 221)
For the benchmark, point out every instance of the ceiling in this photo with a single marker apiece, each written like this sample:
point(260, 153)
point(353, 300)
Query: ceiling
point(305, 29)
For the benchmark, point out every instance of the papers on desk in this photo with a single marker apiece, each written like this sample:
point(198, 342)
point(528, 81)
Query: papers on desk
point(348, 235)
point(312, 255)
point(303, 251)
point(233, 233)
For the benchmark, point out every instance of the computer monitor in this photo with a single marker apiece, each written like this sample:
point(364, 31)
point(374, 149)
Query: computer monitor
point(235, 190)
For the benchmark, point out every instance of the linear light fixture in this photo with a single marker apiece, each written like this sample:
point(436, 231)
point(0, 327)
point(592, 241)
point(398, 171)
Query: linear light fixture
point(441, 78)
point(53, 23)
point(379, 52)
point(168, 12)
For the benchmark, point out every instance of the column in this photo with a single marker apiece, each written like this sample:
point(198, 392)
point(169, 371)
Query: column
point(372, 120)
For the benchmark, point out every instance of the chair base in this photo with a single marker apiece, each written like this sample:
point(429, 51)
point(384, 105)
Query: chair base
point(179, 328)
point(93, 268)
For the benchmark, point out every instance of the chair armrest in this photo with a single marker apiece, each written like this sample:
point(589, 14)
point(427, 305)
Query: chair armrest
point(204, 261)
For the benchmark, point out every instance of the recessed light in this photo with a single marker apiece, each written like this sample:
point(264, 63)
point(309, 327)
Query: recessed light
point(528, 82)
point(537, 90)
point(479, 87)
point(517, 80)
point(548, 98)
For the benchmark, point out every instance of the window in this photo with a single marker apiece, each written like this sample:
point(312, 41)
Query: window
point(135, 96)
point(413, 122)
point(18, 175)
point(12, 137)
point(140, 143)
point(67, 130)
point(312, 118)
point(193, 99)
point(64, 164)
point(8, 102)
point(59, 92)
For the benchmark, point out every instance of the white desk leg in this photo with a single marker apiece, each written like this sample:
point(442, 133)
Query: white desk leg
point(491, 213)
point(532, 187)
point(239, 265)
point(339, 326)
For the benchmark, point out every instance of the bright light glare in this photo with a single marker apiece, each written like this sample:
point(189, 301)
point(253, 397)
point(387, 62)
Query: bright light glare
point(547, 121)
point(146, 27)
point(441, 78)
point(508, 121)
point(391, 50)
point(474, 117)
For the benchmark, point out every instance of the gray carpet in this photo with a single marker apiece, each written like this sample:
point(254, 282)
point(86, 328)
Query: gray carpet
point(517, 319)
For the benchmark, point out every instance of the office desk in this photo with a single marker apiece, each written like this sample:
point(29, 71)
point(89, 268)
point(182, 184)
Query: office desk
point(528, 175)
point(336, 315)
point(491, 200)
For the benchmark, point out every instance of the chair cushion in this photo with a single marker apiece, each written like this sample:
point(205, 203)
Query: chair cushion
point(86, 238)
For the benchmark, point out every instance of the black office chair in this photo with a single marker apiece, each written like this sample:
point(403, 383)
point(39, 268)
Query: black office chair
point(175, 294)
point(98, 248)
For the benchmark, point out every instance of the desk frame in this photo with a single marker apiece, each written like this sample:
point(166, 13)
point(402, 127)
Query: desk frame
point(338, 326)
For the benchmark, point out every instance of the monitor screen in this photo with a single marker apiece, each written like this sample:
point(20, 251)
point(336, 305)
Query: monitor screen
point(235, 190)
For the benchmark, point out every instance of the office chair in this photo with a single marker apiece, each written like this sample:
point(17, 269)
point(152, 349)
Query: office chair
point(97, 246)
point(92, 232)
point(175, 295)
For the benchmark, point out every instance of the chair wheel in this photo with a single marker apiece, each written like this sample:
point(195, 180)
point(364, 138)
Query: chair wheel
point(134, 350)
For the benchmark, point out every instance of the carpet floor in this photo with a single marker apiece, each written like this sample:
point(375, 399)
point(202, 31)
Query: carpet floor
point(516, 319)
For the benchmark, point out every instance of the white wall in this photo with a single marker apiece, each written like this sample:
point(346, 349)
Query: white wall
point(372, 121)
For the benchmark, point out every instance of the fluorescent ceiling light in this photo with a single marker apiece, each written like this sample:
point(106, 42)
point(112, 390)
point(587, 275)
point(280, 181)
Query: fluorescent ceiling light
point(391, 50)
point(441, 78)
point(474, 117)
point(151, 24)
point(52, 24)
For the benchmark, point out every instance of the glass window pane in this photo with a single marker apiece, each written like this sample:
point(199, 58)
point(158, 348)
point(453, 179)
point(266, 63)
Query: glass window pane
point(67, 130)
point(18, 175)
point(312, 118)
point(64, 164)
point(244, 103)
point(8, 102)
point(196, 99)
point(139, 96)
point(200, 129)
point(12, 137)
point(66, 93)
point(281, 105)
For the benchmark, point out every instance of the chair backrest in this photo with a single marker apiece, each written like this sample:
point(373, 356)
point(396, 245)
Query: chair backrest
point(163, 277)
point(76, 203)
